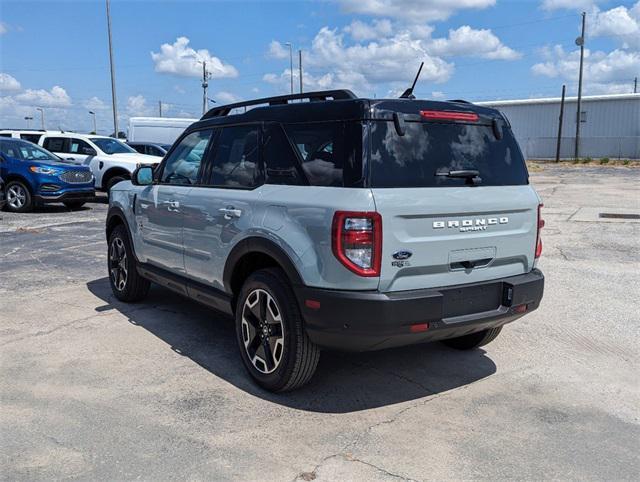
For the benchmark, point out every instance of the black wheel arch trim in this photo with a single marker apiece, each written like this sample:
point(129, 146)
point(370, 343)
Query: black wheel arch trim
point(256, 244)
point(116, 212)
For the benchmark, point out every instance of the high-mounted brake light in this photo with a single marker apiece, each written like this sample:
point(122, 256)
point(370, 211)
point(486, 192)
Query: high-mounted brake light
point(449, 115)
point(540, 226)
point(357, 241)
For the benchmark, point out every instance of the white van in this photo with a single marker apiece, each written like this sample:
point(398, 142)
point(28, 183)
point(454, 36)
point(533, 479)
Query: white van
point(163, 130)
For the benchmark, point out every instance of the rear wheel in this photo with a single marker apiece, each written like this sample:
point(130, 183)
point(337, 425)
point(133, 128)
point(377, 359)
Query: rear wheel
point(74, 205)
point(18, 197)
point(113, 181)
point(126, 283)
point(474, 340)
point(274, 346)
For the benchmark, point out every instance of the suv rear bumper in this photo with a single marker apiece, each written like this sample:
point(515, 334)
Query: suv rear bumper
point(370, 320)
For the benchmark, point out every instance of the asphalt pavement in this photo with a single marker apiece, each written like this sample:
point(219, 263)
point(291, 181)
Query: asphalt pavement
point(91, 388)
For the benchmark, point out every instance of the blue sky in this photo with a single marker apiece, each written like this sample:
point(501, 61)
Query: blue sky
point(54, 54)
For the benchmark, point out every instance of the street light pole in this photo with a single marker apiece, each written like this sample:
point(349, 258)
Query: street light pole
point(113, 75)
point(300, 65)
point(95, 129)
point(290, 45)
point(205, 85)
point(28, 118)
point(41, 116)
point(580, 42)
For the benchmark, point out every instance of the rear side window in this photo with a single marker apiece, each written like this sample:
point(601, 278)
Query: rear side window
point(331, 152)
point(31, 137)
point(55, 144)
point(428, 149)
point(235, 161)
point(279, 158)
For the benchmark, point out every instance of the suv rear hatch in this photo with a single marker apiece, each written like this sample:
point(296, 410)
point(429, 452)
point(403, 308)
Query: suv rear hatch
point(453, 193)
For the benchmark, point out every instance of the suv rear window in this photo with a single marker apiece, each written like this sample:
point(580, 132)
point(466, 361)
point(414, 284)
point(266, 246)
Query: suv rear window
point(428, 148)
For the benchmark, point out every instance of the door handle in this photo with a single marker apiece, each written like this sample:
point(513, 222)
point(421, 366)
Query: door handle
point(230, 212)
point(173, 206)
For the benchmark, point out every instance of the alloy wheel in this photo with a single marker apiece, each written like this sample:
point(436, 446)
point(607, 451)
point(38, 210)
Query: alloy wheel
point(262, 331)
point(118, 264)
point(16, 196)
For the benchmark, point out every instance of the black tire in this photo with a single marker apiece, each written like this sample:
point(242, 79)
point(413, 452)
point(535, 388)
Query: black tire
point(73, 205)
point(113, 181)
point(130, 287)
point(18, 197)
point(474, 340)
point(298, 355)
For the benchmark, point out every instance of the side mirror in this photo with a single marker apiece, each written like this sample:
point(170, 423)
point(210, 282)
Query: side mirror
point(89, 151)
point(142, 176)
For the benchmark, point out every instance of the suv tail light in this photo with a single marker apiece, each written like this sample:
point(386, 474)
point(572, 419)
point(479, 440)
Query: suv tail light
point(357, 241)
point(540, 226)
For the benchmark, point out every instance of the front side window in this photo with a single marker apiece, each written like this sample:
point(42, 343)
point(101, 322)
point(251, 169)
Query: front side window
point(78, 146)
point(55, 144)
point(331, 152)
point(235, 162)
point(26, 151)
point(183, 165)
point(111, 146)
point(430, 150)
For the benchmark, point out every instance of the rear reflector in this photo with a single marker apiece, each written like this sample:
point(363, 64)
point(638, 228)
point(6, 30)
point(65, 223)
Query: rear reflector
point(448, 115)
point(540, 226)
point(313, 304)
point(419, 327)
point(520, 309)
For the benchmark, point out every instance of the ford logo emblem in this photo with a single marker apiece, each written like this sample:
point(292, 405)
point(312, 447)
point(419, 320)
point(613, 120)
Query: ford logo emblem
point(402, 255)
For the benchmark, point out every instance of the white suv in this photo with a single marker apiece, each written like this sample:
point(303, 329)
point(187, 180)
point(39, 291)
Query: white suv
point(110, 160)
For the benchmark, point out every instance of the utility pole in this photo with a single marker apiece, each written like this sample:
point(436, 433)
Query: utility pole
point(290, 45)
point(95, 128)
point(41, 116)
point(635, 85)
point(113, 74)
point(160, 108)
point(580, 42)
point(205, 84)
point(564, 88)
point(300, 65)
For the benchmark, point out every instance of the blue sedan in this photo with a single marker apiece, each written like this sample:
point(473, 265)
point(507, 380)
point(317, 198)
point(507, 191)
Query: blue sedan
point(34, 176)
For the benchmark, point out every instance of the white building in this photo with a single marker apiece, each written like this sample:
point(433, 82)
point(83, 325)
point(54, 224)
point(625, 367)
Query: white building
point(610, 126)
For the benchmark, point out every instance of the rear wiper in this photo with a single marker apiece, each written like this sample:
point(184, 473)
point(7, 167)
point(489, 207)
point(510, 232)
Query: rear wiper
point(471, 175)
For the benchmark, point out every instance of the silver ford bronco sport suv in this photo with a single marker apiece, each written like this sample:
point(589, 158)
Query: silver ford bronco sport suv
point(323, 220)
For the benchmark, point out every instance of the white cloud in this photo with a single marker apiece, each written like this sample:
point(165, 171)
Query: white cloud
point(8, 83)
point(137, 106)
point(56, 97)
point(224, 97)
point(180, 59)
point(3, 28)
point(468, 41)
point(438, 95)
point(621, 22)
point(415, 11)
point(179, 89)
point(94, 104)
point(278, 50)
point(603, 72)
point(368, 31)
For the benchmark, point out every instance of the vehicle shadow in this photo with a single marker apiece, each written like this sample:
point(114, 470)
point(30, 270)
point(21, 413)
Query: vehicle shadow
point(344, 382)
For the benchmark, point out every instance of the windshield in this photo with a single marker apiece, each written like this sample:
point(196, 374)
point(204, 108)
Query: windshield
point(111, 146)
point(430, 149)
point(26, 151)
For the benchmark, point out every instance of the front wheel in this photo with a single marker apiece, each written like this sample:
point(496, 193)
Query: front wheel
point(18, 197)
point(126, 284)
point(474, 340)
point(113, 181)
point(274, 346)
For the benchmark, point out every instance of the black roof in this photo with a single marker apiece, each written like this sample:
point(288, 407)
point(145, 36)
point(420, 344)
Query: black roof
point(329, 105)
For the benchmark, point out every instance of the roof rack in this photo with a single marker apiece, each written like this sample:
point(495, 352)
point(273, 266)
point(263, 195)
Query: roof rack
point(224, 110)
point(460, 101)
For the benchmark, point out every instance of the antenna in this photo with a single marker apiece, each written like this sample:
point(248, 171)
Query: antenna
point(408, 94)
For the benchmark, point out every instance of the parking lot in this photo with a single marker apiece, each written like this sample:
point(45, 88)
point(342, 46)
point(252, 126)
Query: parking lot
point(95, 389)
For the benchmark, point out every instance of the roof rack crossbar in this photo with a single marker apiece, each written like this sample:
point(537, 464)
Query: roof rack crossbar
point(224, 110)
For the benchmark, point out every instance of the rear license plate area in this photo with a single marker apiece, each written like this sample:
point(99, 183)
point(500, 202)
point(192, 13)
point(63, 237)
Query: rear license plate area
point(471, 299)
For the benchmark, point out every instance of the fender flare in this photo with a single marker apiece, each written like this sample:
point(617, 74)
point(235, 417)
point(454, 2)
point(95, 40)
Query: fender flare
point(256, 244)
